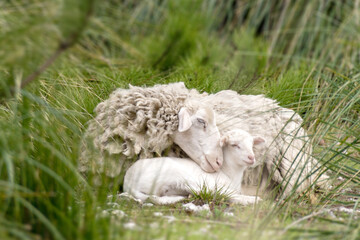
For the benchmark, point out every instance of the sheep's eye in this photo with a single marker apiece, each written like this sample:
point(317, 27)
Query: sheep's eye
point(235, 145)
point(202, 121)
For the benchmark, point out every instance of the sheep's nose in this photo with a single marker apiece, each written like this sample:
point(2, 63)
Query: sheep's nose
point(251, 157)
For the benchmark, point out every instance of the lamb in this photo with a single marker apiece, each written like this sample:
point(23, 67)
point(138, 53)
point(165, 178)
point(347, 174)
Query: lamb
point(168, 180)
point(285, 160)
point(146, 122)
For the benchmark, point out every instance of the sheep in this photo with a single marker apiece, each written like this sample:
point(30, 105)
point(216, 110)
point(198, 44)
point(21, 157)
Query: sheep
point(285, 160)
point(142, 123)
point(146, 122)
point(168, 180)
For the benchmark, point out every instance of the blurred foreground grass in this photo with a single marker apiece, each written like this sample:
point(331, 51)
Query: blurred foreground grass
point(303, 54)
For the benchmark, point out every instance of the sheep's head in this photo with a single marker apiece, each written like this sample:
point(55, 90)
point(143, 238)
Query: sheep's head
point(238, 147)
point(199, 137)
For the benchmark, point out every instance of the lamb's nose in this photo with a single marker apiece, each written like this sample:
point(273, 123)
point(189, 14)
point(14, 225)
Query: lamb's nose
point(218, 162)
point(251, 157)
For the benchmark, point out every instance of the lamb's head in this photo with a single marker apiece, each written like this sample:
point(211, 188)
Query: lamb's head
point(238, 147)
point(199, 137)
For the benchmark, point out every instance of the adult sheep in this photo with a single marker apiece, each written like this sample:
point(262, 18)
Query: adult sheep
point(145, 122)
point(285, 160)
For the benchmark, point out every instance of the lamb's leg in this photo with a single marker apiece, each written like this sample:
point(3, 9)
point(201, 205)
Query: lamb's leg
point(138, 195)
point(165, 200)
point(243, 199)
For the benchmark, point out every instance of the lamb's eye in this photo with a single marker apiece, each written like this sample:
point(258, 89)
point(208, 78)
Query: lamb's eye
point(236, 145)
point(202, 121)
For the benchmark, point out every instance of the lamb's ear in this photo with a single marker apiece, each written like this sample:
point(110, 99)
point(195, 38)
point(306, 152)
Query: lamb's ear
point(223, 141)
point(184, 120)
point(258, 140)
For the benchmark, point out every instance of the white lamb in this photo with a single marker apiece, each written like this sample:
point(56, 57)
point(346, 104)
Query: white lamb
point(147, 122)
point(168, 180)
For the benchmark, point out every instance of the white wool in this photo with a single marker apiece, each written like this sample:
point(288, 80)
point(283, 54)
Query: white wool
point(144, 116)
point(138, 122)
point(132, 123)
point(169, 180)
point(287, 153)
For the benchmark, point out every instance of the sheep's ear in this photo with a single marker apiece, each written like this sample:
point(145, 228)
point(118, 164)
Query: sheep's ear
point(184, 120)
point(223, 141)
point(258, 140)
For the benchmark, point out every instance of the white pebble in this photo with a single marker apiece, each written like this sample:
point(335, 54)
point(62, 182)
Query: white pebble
point(228, 214)
point(170, 218)
point(190, 207)
point(154, 225)
point(130, 226)
point(347, 210)
point(113, 204)
point(104, 213)
point(148, 205)
point(157, 214)
point(331, 213)
point(119, 213)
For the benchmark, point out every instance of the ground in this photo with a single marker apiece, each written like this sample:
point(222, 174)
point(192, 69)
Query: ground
point(62, 58)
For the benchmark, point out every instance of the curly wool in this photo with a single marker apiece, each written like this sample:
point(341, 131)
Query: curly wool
point(137, 122)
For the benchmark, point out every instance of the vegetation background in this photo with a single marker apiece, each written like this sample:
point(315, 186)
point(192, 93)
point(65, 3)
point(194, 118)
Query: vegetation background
point(59, 58)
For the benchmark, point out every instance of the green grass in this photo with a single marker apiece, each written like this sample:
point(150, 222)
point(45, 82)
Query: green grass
point(304, 54)
point(207, 196)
